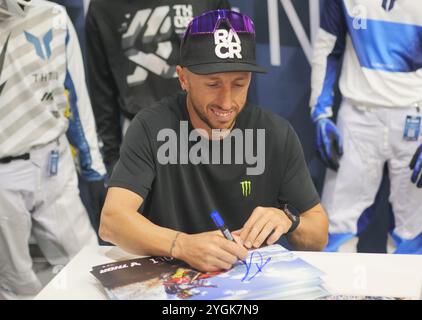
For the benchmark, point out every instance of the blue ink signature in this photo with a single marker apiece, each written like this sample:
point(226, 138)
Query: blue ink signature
point(259, 265)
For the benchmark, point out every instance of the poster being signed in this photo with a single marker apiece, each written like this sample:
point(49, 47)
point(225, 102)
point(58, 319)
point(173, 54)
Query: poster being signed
point(271, 272)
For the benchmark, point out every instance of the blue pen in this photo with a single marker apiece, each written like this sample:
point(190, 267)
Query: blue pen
point(220, 225)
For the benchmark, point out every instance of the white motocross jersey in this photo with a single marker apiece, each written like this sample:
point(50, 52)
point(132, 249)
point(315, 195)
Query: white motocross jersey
point(42, 86)
point(380, 42)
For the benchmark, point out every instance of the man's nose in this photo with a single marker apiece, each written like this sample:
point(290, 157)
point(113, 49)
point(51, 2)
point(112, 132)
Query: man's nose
point(226, 98)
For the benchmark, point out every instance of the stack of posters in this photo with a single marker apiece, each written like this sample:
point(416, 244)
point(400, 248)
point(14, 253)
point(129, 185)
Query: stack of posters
point(271, 272)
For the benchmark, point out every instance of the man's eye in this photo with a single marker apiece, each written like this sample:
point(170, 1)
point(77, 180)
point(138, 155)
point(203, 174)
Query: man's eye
point(212, 85)
point(240, 85)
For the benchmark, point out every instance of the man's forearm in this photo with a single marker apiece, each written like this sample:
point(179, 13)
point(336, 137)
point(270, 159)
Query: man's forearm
point(135, 233)
point(312, 232)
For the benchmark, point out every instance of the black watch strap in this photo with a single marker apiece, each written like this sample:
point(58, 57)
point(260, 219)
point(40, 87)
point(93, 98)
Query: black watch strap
point(293, 218)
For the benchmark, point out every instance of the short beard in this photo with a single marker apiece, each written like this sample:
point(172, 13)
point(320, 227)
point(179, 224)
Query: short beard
point(204, 117)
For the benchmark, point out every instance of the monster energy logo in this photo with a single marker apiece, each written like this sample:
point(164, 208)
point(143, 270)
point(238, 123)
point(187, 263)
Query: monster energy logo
point(246, 188)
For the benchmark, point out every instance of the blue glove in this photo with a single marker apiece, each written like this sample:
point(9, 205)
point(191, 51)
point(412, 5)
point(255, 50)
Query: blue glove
point(416, 166)
point(329, 143)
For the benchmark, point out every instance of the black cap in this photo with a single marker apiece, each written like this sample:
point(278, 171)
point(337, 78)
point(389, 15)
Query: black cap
point(224, 50)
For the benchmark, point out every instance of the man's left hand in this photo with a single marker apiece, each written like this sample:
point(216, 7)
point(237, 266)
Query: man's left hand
point(416, 166)
point(264, 223)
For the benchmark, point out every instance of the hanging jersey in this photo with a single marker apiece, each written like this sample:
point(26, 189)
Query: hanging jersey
point(42, 87)
point(133, 50)
point(380, 42)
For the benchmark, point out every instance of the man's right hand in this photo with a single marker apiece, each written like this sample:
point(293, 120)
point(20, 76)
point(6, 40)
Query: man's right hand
point(329, 143)
point(208, 251)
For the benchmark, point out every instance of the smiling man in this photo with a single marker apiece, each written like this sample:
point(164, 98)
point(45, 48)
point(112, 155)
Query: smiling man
point(217, 133)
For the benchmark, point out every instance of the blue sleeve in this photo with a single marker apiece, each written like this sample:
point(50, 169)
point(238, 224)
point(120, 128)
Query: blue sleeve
point(328, 52)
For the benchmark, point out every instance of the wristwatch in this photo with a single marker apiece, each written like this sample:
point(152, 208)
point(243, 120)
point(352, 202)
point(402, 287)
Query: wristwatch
point(295, 219)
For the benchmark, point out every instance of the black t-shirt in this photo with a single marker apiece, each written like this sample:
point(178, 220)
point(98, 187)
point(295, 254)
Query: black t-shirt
point(181, 196)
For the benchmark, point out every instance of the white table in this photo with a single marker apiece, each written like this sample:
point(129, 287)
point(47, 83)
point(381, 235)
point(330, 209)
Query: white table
point(346, 273)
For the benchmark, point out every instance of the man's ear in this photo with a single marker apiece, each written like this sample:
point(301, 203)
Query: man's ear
point(182, 77)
